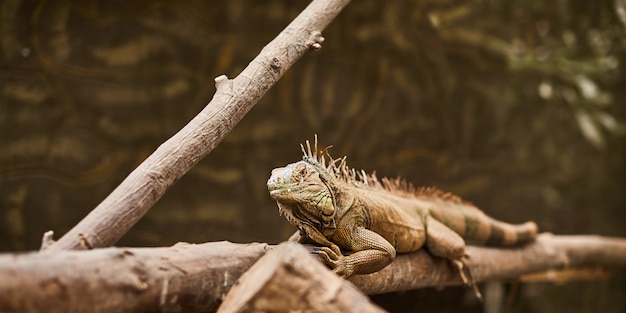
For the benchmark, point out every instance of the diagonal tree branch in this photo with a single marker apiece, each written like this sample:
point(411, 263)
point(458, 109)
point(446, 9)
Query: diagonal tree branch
point(114, 216)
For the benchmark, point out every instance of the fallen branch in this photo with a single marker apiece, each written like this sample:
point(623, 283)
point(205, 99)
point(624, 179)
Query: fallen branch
point(289, 279)
point(196, 277)
point(114, 216)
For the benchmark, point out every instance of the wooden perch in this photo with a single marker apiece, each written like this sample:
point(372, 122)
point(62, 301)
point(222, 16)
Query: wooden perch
point(114, 216)
point(190, 277)
point(289, 279)
point(420, 269)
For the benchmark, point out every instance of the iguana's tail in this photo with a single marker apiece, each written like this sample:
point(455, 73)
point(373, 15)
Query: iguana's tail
point(474, 225)
point(504, 234)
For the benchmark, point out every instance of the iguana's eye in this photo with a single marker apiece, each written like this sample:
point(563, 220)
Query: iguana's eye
point(301, 172)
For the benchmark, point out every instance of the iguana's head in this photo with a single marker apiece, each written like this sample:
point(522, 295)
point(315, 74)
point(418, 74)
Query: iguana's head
point(304, 196)
point(305, 192)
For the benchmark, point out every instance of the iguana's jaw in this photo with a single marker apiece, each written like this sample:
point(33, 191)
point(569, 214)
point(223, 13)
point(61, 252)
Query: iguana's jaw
point(282, 182)
point(284, 190)
point(297, 216)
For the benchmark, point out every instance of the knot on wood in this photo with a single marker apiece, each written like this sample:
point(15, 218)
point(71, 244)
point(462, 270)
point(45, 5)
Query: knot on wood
point(315, 40)
point(221, 81)
point(47, 240)
point(84, 243)
point(275, 65)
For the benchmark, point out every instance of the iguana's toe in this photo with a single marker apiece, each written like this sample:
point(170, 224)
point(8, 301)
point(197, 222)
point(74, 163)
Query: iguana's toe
point(336, 261)
point(467, 278)
point(460, 266)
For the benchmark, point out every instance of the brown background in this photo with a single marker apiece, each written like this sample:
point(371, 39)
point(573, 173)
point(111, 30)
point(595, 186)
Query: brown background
point(515, 106)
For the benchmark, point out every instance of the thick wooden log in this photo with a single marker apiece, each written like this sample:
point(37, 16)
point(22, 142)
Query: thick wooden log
point(195, 278)
point(290, 279)
point(181, 278)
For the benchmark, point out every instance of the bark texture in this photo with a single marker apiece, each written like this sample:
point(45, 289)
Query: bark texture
point(181, 278)
point(419, 269)
point(194, 278)
point(289, 279)
point(114, 216)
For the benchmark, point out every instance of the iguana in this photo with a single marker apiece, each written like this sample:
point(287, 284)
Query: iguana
point(372, 220)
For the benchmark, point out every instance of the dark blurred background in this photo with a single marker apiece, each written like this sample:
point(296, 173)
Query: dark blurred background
point(517, 106)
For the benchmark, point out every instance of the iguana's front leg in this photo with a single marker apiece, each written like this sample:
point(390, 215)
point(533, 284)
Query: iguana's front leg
point(371, 253)
point(301, 236)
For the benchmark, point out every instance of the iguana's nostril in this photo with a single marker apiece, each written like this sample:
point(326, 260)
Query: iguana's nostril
point(275, 181)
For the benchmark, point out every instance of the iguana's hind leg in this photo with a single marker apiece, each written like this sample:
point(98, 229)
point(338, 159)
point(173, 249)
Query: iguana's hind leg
point(444, 242)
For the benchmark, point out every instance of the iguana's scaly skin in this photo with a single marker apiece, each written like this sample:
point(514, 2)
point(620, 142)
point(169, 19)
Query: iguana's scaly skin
point(372, 220)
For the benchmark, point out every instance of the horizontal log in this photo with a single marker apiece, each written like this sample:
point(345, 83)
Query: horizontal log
point(181, 278)
point(420, 269)
point(196, 277)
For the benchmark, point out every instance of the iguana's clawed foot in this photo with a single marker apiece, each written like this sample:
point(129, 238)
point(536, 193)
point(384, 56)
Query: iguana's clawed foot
point(466, 276)
point(335, 260)
point(462, 269)
point(334, 250)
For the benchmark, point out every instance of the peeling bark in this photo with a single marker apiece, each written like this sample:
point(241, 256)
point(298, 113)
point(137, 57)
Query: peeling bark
point(181, 278)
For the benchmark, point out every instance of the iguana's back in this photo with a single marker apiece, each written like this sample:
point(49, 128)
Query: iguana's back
point(395, 209)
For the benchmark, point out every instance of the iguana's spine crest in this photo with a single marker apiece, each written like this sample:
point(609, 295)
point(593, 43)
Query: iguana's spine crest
point(339, 170)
